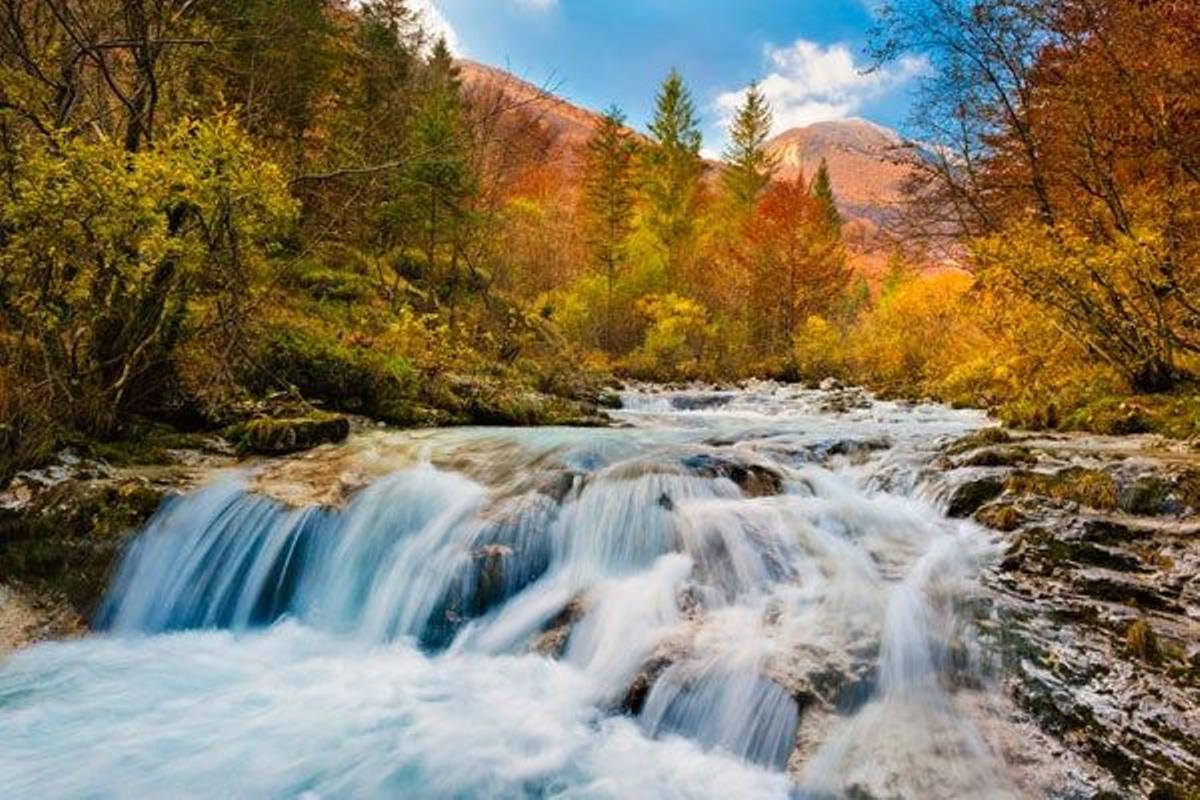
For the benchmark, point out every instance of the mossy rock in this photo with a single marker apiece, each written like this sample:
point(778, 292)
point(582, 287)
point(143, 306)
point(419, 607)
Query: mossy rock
point(999, 457)
point(980, 438)
point(68, 539)
point(1148, 496)
point(1087, 487)
point(355, 380)
point(273, 437)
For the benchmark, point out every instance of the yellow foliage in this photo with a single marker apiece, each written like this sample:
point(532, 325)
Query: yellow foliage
point(917, 331)
point(819, 350)
point(677, 340)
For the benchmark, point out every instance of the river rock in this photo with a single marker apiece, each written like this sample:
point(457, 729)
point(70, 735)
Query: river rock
point(970, 495)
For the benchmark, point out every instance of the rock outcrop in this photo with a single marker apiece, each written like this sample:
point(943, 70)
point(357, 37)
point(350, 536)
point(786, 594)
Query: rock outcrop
point(1094, 611)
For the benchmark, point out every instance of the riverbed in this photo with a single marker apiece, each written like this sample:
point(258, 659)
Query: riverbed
point(751, 593)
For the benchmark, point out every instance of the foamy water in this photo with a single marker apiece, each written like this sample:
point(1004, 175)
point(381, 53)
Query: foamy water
point(539, 613)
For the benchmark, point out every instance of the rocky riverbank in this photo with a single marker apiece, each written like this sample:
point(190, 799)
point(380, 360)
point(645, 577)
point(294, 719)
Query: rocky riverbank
point(1093, 612)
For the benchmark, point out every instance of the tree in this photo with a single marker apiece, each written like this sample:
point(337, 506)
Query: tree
point(609, 194)
point(794, 264)
point(822, 189)
point(1054, 111)
point(101, 295)
point(748, 166)
point(438, 182)
point(672, 170)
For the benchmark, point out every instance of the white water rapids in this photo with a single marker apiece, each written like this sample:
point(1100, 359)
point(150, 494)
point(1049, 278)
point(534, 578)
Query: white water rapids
point(734, 595)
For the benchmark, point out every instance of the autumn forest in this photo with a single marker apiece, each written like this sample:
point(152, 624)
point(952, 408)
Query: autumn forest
point(218, 210)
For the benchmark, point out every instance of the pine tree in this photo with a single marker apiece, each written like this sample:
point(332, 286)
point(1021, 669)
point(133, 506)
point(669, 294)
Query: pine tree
point(748, 166)
point(440, 180)
point(822, 189)
point(608, 187)
point(897, 273)
point(673, 169)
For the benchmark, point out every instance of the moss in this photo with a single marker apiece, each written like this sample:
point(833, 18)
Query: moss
point(1087, 487)
point(1000, 517)
point(331, 284)
point(1142, 642)
point(141, 441)
point(1174, 414)
point(349, 379)
point(268, 436)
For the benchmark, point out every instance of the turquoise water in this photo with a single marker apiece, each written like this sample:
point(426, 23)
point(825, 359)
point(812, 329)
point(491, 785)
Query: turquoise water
point(473, 623)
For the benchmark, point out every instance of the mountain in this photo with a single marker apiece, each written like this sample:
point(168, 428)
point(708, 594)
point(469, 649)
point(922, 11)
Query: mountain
point(865, 162)
point(566, 125)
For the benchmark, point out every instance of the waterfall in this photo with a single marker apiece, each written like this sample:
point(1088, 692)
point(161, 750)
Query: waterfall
point(666, 609)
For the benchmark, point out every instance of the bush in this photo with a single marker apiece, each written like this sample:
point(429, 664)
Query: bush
point(677, 340)
point(818, 350)
point(351, 379)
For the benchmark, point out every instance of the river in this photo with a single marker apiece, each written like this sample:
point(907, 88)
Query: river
point(729, 595)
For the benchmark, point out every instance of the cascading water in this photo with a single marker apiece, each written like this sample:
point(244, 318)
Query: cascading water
point(737, 594)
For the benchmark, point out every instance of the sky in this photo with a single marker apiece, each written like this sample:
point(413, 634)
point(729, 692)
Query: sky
point(806, 54)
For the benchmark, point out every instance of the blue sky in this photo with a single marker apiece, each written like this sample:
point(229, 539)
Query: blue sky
point(806, 53)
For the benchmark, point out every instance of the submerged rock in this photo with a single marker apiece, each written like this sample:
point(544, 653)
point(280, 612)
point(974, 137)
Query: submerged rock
point(754, 479)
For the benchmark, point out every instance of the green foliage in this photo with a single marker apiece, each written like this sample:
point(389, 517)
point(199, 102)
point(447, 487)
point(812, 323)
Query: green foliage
point(748, 166)
point(822, 189)
point(358, 380)
point(105, 251)
point(671, 172)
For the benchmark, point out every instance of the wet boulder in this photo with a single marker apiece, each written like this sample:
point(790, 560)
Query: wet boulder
point(700, 401)
point(552, 641)
point(1002, 517)
point(968, 497)
point(1149, 495)
point(755, 480)
point(854, 449)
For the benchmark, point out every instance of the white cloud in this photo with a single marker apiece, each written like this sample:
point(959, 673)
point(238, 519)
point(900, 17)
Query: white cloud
point(436, 24)
point(808, 82)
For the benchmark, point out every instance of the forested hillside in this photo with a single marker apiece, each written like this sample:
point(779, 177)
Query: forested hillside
point(215, 212)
